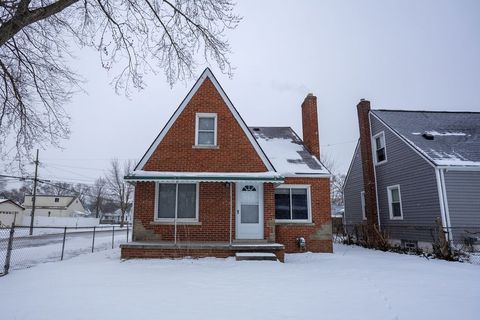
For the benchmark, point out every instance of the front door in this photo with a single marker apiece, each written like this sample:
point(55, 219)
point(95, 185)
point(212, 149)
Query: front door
point(249, 215)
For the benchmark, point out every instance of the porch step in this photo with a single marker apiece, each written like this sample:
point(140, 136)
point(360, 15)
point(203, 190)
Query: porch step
point(255, 256)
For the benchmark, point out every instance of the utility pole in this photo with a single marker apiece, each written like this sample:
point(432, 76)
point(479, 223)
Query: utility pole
point(34, 195)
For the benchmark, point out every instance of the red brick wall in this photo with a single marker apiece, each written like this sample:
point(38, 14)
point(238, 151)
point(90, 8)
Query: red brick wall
point(214, 215)
point(318, 234)
point(235, 153)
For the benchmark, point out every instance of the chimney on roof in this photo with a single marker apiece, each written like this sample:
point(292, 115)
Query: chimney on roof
point(310, 125)
point(369, 183)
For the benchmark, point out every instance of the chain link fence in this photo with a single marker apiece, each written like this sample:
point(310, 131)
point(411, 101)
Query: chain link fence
point(22, 247)
point(461, 243)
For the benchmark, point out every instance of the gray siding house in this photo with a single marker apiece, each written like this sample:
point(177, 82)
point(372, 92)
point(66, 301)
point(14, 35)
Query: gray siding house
point(426, 165)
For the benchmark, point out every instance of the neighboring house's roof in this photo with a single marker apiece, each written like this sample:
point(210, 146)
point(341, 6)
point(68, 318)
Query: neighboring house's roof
point(12, 202)
point(444, 138)
point(48, 201)
point(286, 151)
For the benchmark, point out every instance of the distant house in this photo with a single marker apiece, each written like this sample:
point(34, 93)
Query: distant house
point(211, 186)
point(115, 217)
point(10, 211)
point(55, 206)
point(411, 168)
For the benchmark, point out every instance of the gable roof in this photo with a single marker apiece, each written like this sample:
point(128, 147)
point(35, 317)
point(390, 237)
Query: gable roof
point(12, 202)
point(207, 73)
point(287, 152)
point(444, 138)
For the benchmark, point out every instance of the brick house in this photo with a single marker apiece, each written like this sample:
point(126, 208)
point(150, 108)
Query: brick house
point(211, 186)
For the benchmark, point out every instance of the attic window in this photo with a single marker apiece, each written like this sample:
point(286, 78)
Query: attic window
point(57, 199)
point(428, 136)
point(206, 129)
point(379, 148)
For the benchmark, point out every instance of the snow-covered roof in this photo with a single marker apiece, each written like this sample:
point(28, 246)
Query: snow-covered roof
point(286, 151)
point(165, 176)
point(445, 138)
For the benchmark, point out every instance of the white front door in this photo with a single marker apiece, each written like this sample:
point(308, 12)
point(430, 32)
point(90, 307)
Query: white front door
point(249, 215)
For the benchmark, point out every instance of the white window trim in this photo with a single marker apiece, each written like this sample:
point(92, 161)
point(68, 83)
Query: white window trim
point(390, 208)
point(206, 115)
point(309, 203)
point(362, 204)
point(169, 220)
point(374, 148)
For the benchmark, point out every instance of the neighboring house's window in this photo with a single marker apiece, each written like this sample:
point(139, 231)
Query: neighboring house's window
point(206, 129)
point(57, 199)
point(292, 203)
point(395, 202)
point(176, 201)
point(362, 202)
point(379, 148)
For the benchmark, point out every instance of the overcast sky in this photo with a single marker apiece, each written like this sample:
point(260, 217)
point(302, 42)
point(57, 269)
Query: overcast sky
point(398, 54)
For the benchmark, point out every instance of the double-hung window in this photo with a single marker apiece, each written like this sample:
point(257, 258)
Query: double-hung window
point(206, 130)
point(176, 201)
point(395, 202)
point(380, 155)
point(292, 203)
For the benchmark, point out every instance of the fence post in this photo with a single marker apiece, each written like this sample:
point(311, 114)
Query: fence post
point(93, 240)
point(9, 250)
point(113, 235)
point(127, 232)
point(63, 244)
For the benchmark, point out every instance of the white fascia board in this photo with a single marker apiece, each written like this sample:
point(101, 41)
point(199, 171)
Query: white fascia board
point(206, 74)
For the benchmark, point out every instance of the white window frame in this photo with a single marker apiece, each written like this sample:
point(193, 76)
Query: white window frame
point(362, 204)
point(197, 119)
point(390, 207)
point(381, 134)
point(309, 203)
point(168, 220)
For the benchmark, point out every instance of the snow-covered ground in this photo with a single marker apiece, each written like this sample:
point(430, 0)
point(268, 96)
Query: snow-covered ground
point(353, 283)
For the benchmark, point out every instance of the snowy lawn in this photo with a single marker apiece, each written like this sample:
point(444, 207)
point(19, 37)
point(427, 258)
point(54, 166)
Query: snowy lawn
point(353, 283)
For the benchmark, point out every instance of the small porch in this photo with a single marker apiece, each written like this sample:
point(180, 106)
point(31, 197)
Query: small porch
point(198, 249)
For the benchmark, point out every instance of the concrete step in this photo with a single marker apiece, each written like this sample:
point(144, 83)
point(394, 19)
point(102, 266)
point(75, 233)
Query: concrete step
point(255, 256)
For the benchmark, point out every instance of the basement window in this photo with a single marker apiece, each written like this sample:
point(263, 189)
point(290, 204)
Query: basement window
point(380, 155)
point(395, 202)
point(206, 130)
point(292, 203)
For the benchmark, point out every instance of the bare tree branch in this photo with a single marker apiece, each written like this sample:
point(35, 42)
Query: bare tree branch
point(133, 38)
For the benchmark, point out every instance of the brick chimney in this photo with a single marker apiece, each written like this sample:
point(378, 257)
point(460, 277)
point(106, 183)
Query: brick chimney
point(363, 110)
point(310, 125)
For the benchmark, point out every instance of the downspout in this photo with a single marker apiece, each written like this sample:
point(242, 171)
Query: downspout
point(231, 212)
point(175, 216)
point(447, 211)
point(443, 201)
point(375, 174)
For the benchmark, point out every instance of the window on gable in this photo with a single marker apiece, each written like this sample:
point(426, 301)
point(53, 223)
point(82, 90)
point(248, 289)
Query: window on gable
point(206, 129)
point(395, 202)
point(176, 201)
point(379, 148)
point(57, 199)
point(292, 203)
point(362, 202)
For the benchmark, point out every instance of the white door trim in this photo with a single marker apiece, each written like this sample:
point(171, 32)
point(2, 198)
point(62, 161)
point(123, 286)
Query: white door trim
point(249, 231)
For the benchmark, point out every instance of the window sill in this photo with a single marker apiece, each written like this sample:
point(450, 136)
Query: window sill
point(380, 163)
point(205, 147)
point(171, 223)
point(296, 223)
